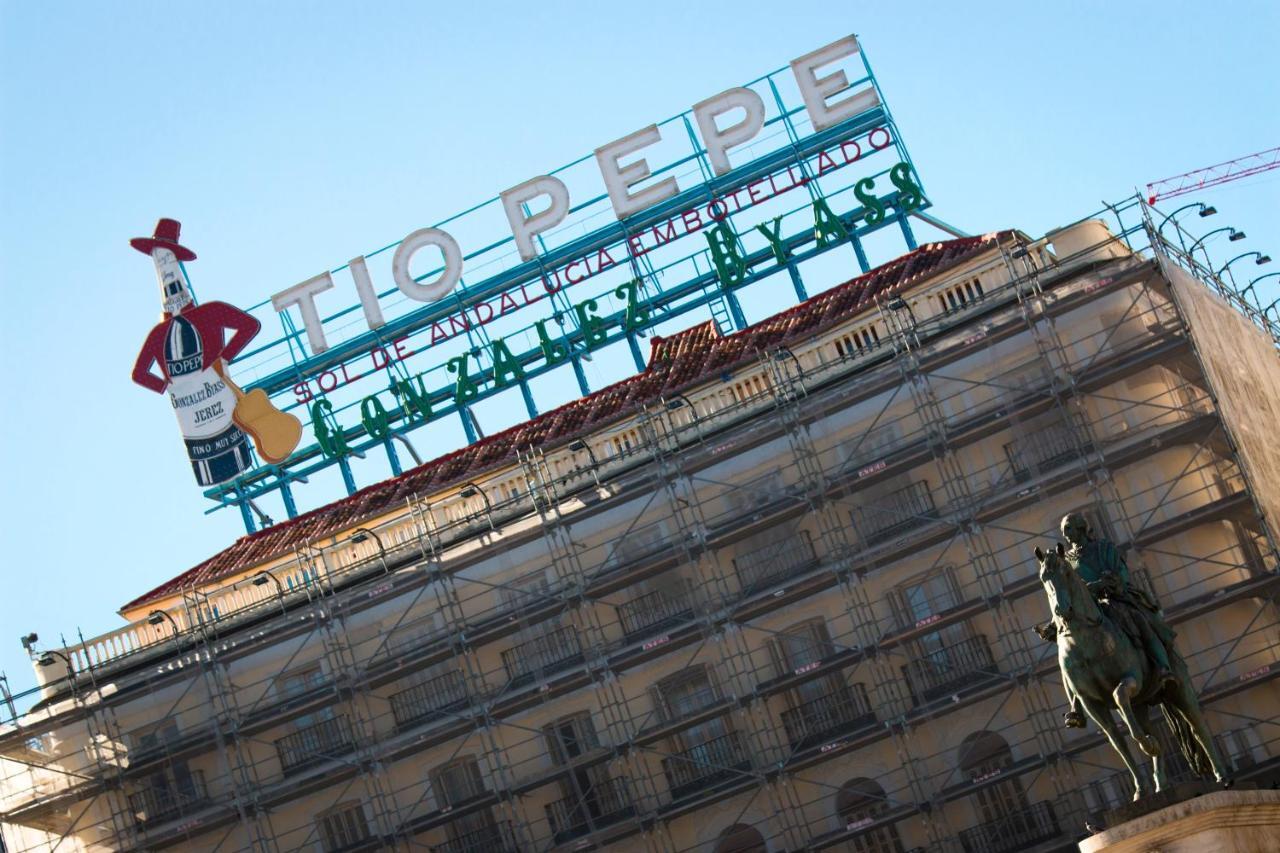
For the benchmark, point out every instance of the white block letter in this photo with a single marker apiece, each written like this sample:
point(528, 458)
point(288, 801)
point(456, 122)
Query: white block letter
point(816, 90)
point(304, 296)
point(368, 296)
point(525, 228)
point(619, 179)
point(717, 141)
point(409, 246)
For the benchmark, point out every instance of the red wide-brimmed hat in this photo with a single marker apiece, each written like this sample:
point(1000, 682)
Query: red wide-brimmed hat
point(166, 237)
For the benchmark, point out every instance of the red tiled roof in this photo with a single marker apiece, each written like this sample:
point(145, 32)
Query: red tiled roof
point(675, 363)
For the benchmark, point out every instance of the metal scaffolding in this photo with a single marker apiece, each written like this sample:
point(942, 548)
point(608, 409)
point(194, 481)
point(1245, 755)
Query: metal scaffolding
point(791, 608)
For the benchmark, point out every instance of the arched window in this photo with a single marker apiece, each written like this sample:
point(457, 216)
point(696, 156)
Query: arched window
point(740, 838)
point(858, 803)
point(985, 756)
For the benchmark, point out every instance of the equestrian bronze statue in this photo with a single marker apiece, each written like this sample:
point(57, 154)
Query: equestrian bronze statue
point(1116, 653)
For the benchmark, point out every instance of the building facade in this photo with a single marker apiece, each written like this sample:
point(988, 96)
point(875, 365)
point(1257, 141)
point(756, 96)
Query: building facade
point(775, 593)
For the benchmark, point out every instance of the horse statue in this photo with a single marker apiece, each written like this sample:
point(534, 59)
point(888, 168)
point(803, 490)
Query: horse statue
point(1104, 668)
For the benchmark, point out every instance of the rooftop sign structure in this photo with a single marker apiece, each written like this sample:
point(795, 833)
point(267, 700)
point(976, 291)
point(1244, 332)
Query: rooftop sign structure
point(677, 217)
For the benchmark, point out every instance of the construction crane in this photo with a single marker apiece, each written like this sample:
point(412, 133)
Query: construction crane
point(1211, 176)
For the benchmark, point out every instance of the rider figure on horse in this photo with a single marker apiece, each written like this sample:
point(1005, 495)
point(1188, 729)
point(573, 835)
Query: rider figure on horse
point(1101, 566)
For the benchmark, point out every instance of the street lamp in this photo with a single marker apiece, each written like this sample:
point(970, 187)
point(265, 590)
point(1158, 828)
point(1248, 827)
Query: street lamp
point(1205, 210)
point(363, 534)
point(1261, 259)
point(1234, 236)
point(680, 401)
point(470, 490)
point(47, 659)
point(159, 617)
point(261, 578)
point(577, 446)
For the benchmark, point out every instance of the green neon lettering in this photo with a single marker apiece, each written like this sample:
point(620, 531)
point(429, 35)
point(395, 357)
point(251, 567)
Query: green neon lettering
point(505, 365)
point(774, 238)
point(870, 201)
point(731, 267)
point(593, 330)
point(374, 417)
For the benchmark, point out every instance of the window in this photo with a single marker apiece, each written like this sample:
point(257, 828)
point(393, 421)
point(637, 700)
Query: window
point(294, 685)
point(985, 756)
point(741, 838)
point(457, 782)
point(859, 802)
point(801, 646)
point(922, 599)
point(343, 827)
point(571, 737)
point(686, 692)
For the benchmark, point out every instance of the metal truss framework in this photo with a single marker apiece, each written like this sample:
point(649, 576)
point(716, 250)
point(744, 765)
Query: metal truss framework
point(841, 735)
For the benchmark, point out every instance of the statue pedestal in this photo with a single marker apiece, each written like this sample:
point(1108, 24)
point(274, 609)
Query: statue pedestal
point(1216, 822)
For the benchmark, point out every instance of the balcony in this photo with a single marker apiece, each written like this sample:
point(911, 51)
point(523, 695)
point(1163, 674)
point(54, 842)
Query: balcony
point(161, 802)
point(604, 803)
point(314, 744)
point(543, 655)
point(491, 837)
point(655, 612)
point(788, 556)
point(1042, 451)
point(896, 513)
point(709, 763)
point(841, 710)
point(1013, 832)
point(939, 672)
point(429, 700)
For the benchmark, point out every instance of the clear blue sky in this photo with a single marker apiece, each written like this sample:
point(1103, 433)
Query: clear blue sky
point(289, 137)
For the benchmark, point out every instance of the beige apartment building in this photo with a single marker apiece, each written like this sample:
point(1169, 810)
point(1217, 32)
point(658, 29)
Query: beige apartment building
point(774, 593)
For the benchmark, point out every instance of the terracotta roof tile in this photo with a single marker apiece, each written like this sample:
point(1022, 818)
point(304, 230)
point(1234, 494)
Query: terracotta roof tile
point(676, 361)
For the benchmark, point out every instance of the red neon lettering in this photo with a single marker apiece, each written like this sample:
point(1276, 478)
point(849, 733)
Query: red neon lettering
point(437, 334)
point(711, 210)
point(568, 272)
point(402, 351)
point(825, 163)
point(487, 308)
point(375, 353)
point(302, 392)
point(637, 249)
point(458, 323)
point(857, 149)
point(547, 284)
point(871, 138)
point(525, 295)
point(333, 381)
point(506, 303)
point(697, 221)
point(751, 191)
point(659, 238)
point(346, 380)
point(602, 256)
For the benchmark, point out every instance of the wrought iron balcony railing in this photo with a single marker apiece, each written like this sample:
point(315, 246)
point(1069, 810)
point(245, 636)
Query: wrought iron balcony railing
point(1013, 832)
point(789, 555)
point(706, 764)
point(603, 804)
point(429, 699)
point(542, 655)
point(491, 837)
point(896, 513)
point(656, 611)
point(1042, 450)
point(314, 744)
point(157, 803)
point(939, 672)
point(842, 709)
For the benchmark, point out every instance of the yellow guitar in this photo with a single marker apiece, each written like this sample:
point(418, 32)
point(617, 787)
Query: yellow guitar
point(274, 433)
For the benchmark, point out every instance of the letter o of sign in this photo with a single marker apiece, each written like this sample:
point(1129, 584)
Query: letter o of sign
point(447, 279)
